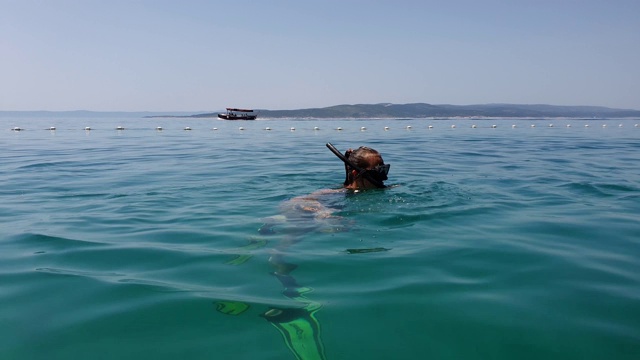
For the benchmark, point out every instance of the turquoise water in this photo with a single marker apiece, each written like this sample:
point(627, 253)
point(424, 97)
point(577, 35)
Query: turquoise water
point(495, 243)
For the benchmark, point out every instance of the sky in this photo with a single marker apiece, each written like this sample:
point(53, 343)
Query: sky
point(188, 55)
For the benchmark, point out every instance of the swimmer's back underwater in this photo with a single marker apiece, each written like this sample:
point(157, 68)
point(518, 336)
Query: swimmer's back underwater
point(364, 169)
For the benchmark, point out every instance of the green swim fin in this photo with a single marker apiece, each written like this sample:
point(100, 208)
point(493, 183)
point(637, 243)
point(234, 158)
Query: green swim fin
point(300, 330)
point(231, 307)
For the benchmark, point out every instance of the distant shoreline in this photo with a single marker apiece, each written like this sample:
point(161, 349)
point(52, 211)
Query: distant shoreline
point(385, 111)
point(399, 119)
point(429, 111)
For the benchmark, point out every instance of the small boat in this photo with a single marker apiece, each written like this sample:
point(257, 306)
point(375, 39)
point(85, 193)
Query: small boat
point(238, 114)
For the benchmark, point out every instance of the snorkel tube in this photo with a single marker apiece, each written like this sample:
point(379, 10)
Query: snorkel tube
point(364, 173)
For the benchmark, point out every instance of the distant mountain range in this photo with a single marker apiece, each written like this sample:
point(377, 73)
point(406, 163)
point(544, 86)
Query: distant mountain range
point(375, 111)
point(422, 110)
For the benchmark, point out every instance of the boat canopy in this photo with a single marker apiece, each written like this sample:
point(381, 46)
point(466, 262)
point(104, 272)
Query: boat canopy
point(239, 110)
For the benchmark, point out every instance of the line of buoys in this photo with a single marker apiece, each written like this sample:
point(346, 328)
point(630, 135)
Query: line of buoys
point(339, 128)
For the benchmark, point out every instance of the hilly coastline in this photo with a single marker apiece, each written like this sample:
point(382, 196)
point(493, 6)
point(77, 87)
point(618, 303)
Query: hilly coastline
point(369, 111)
point(423, 110)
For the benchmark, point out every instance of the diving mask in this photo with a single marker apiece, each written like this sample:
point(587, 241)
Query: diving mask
point(375, 176)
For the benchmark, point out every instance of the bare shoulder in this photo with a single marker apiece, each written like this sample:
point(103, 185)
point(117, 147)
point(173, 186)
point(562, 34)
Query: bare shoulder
point(310, 203)
point(317, 194)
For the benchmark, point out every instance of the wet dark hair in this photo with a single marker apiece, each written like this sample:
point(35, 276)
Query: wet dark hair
point(360, 158)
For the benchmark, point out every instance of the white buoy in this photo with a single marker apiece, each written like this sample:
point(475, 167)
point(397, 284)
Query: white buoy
point(636, 125)
point(474, 126)
point(187, 128)
point(408, 127)
point(17, 129)
point(430, 127)
point(293, 129)
point(240, 128)
point(620, 125)
point(513, 126)
point(604, 125)
point(87, 128)
point(568, 125)
point(339, 128)
point(363, 128)
point(533, 125)
point(494, 126)
point(52, 128)
point(386, 128)
point(586, 125)
point(159, 128)
point(550, 125)
point(120, 128)
point(267, 128)
point(215, 128)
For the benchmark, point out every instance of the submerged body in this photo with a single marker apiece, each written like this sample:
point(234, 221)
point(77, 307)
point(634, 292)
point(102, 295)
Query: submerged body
point(307, 213)
point(301, 215)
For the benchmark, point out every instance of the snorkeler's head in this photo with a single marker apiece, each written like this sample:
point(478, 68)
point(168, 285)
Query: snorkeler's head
point(369, 171)
point(364, 168)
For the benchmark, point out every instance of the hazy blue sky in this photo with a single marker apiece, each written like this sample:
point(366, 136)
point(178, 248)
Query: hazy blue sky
point(205, 55)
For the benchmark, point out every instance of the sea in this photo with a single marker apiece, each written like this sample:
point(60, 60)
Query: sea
point(171, 239)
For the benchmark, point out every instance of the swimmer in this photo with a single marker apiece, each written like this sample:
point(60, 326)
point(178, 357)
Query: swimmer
point(298, 325)
point(300, 329)
point(364, 169)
